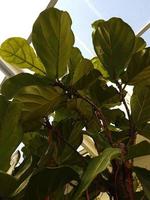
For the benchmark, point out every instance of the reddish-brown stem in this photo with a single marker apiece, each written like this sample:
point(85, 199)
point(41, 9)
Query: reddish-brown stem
point(87, 195)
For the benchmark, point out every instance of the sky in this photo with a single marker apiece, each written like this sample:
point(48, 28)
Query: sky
point(17, 17)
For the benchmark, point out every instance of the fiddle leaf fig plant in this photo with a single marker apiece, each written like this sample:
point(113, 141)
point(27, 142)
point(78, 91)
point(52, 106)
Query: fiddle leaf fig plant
point(64, 100)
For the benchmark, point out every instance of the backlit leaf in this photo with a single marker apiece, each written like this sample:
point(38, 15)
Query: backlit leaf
point(53, 40)
point(17, 52)
point(114, 44)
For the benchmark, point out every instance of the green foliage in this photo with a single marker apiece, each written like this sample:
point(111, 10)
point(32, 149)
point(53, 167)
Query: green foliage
point(53, 41)
point(95, 166)
point(108, 39)
point(17, 52)
point(144, 177)
point(67, 97)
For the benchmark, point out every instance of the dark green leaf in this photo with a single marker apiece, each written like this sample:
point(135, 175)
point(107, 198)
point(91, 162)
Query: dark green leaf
point(10, 134)
point(83, 108)
point(114, 44)
point(36, 143)
point(75, 139)
point(12, 85)
point(7, 184)
point(140, 196)
point(138, 69)
point(140, 106)
point(17, 52)
point(144, 177)
point(137, 150)
point(140, 44)
point(87, 80)
point(95, 166)
point(39, 101)
point(3, 107)
point(48, 180)
point(53, 40)
point(104, 95)
point(145, 130)
point(83, 68)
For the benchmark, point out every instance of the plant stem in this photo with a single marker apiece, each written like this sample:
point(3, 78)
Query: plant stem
point(99, 115)
point(131, 124)
point(49, 126)
point(96, 108)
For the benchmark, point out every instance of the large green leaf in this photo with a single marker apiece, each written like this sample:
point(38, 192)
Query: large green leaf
point(144, 177)
point(7, 184)
point(98, 65)
point(95, 166)
point(83, 68)
point(17, 52)
point(140, 106)
point(48, 180)
point(12, 85)
point(53, 40)
point(39, 101)
point(75, 58)
point(140, 44)
point(104, 95)
point(145, 130)
point(3, 107)
point(10, 134)
point(114, 44)
point(138, 69)
point(137, 150)
point(75, 139)
point(36, 143)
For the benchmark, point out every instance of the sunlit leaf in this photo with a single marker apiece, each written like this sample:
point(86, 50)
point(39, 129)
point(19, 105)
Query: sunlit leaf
point(17, 52)
point(53, 40)
point(114, 44)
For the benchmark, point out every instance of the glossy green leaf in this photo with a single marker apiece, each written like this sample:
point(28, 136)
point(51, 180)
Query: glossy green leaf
point(144, 177)
point(10, 134)
point(17, 52)
point(138, 69)
point(39, 101)
point(48, 180)
point(53, 40)
point(137, 150)
point(114, 44)
point(13, 84)
point(140, 106)
point(7, 184)
point(95, 166)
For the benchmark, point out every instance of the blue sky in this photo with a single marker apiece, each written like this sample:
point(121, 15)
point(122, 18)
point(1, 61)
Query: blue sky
point(17, 17)
point(83, 12)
